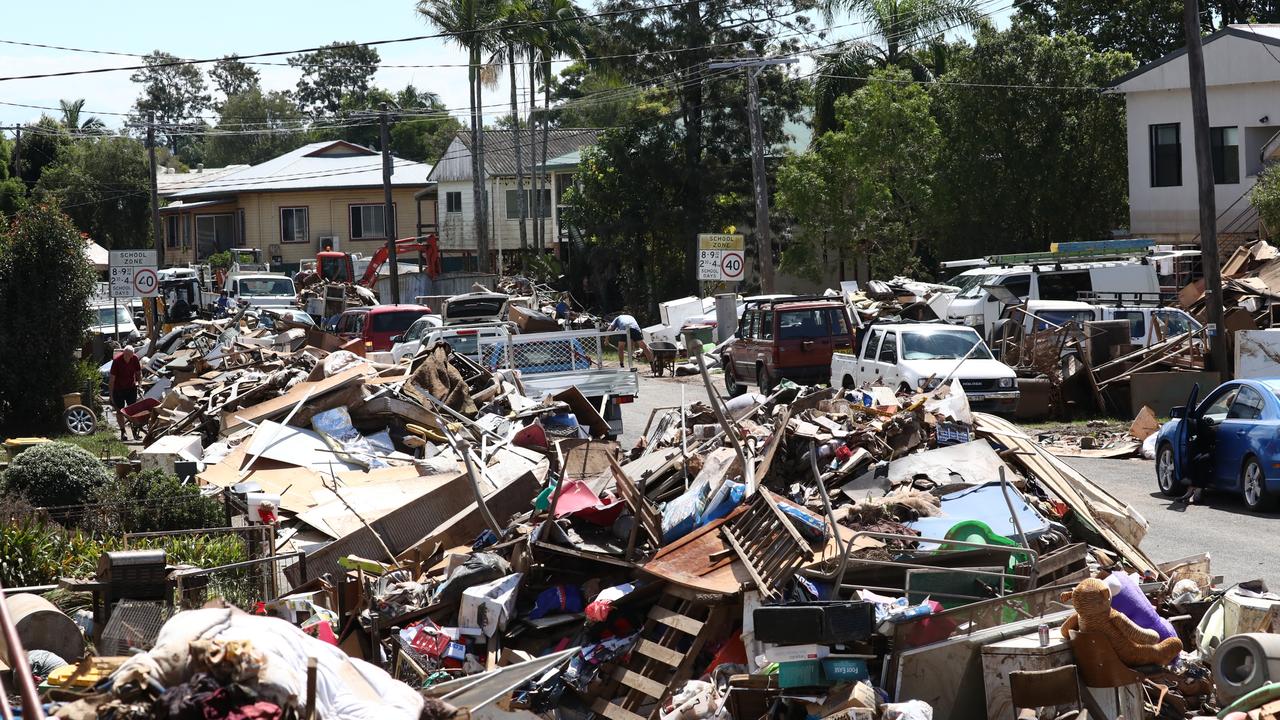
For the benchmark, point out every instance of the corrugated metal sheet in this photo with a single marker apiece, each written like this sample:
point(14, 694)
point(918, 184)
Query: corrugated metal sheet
point(414, 283)
point(333, 164)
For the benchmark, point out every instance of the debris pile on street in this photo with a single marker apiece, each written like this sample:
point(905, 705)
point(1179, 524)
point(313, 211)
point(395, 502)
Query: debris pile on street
point(436, 535)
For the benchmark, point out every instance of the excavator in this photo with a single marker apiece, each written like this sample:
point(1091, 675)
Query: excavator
point(334, 266)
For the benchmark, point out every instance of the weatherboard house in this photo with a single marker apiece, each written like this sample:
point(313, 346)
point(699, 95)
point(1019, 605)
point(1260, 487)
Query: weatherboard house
point(1242, 75)
point(321, 194)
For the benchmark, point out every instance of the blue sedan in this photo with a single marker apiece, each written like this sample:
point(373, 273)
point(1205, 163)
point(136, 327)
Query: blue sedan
point(1231, 441)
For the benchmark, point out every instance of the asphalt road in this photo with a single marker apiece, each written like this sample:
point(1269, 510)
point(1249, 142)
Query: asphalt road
point(1238, 541)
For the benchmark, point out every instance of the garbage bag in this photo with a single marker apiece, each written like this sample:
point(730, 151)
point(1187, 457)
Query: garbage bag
point(478, 569)
point(1149, 447)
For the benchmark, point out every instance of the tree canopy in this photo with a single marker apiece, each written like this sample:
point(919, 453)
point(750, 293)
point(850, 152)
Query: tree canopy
point(103, 185)
point(334, 74)
point(176, 94)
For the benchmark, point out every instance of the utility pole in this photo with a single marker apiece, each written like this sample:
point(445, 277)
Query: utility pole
point(153, 319)
point(1204, 181)
point(17, 152)
point(764, 247)
point(388, 210)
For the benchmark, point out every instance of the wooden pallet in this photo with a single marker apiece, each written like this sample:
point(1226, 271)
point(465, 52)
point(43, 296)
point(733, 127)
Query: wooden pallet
point(673, 635)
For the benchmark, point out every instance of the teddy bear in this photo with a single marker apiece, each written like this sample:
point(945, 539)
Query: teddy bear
point(1135, 646)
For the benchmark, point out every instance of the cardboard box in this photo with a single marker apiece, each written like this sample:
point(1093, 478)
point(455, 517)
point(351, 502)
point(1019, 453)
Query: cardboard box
point(793, 653)
point(532, 321)
point(490, 606)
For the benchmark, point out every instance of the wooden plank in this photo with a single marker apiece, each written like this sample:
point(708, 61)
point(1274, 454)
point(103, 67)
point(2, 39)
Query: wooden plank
point(639, 682)
point(614, 712)
point(661, 653)
point(673, 619)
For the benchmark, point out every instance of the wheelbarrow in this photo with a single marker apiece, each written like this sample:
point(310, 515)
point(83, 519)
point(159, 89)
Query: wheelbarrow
point(139, 415)
point(664, 357)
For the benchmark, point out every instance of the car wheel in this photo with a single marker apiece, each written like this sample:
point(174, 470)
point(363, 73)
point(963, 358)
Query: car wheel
point(731, 384)
point(1253, 485)
point(847, 383)
point(762, 380)
point(1167, 471)
point(79, 420)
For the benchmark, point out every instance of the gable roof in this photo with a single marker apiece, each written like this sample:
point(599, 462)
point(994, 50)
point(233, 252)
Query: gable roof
point(169, 181)
point(499, 150)
point(1264, 33)
point(320, 165)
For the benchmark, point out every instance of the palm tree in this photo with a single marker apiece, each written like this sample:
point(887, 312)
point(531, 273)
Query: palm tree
point(470, 25)
point(518, 32)
point(563, 34)
point(901, 28)
point(71, 110)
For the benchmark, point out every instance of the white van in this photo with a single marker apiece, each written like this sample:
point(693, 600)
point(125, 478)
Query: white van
point(978, 308)
point(261, 290)
point(1174, 321)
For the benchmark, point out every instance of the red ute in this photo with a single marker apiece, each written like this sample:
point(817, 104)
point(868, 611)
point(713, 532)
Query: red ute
point(789, 338)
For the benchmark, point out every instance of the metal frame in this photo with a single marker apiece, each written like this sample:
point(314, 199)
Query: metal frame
point(21, 668)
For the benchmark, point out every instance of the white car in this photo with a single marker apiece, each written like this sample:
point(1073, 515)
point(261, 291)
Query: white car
point(112, 321)
point(407, 344)
point(907, 356)
point(264, 290)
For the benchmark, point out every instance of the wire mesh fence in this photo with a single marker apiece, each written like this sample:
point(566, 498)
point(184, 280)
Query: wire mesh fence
point(545, 353)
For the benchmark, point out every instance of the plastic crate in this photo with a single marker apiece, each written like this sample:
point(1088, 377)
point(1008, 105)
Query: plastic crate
point(800, 673)
point(844, 669)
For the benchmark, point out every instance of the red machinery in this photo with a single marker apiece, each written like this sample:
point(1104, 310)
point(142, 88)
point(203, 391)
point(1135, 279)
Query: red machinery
point(338, 266)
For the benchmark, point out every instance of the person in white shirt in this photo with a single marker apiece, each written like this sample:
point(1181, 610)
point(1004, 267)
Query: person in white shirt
point(627, 323)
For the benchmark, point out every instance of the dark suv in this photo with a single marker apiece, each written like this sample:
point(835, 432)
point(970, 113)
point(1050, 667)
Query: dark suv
point(785, 339)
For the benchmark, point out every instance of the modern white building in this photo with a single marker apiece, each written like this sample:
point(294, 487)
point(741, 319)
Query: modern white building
point(1242, 74)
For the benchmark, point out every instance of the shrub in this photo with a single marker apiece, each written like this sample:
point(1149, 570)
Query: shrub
point(55, 474)
point(153, 501)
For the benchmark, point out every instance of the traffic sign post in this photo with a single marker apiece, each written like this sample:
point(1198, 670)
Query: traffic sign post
point(133, 274)
point(721, 257)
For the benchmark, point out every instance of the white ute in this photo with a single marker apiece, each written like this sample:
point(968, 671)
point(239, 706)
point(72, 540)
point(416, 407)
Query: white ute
point(920, 355)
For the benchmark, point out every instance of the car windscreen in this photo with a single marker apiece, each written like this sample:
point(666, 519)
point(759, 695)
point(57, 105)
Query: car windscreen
point(479, 307)
point(1045, 318)
point(803, 324)
point(1177, 323)
point(971, 285)
point(334, 269)
point(262, 287)
point(942, 345)
point(394, 321)
point(112, 315)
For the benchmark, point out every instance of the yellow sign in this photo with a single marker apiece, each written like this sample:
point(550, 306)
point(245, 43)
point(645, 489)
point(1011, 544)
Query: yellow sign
point(716, 241)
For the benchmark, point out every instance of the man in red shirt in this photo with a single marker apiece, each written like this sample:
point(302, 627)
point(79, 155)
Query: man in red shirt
point(126, 374)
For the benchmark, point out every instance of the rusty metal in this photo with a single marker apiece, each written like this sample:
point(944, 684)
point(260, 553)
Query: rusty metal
point(21, 668)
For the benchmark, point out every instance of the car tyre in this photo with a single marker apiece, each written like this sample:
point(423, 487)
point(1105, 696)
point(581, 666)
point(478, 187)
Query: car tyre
point(731, 384)
point(763, 381)
point(1253, 486)
point(80, 420)
point(1167, 471)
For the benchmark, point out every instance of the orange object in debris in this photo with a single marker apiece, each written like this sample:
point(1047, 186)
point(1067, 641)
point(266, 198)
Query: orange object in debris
point(733, 652)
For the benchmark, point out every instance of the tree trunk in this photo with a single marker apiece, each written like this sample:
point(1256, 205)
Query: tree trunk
point(533, 98)
point(546, 129)
point(691, 114)
point(477, 179)
point(515, 142)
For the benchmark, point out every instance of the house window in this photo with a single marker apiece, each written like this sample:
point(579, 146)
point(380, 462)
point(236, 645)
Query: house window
point(453, 202)
point(293, 225)
point(1224, 142)
point(367, 222)
point(513, 204)
point(171, 231)
point(1166, 155)
point(214, 233)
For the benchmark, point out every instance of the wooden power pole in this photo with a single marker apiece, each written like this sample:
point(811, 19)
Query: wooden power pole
point(1204, 181)
point(388, 208)
point(764, 246)
point(153, 318)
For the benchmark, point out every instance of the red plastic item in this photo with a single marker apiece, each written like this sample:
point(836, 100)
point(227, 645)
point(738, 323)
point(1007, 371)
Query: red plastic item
point(732, 652)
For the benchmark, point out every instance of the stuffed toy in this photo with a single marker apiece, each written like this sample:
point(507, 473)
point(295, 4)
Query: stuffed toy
point(1135, 646)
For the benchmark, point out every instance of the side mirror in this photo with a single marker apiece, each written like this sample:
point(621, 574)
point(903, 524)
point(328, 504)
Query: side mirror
point(991, 298)
point(1178, 412)
point(397, 338)
point(738, 333)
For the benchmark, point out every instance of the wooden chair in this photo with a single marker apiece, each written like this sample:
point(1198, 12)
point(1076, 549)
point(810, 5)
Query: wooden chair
point(1033, 689)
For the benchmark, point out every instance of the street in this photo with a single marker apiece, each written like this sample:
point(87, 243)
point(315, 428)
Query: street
point(1217, 526)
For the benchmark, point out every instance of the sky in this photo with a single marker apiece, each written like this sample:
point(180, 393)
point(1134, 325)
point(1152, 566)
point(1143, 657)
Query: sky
point(201, 30)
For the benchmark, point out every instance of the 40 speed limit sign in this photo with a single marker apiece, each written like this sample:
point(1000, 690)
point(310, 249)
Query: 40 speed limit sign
point(721, 257)
point(133, 274)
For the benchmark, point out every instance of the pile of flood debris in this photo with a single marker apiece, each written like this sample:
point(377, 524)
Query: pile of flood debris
point(432, 540)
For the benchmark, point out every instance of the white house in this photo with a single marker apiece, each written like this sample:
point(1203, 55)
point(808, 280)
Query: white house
point(452, 175)
point(1242, 75)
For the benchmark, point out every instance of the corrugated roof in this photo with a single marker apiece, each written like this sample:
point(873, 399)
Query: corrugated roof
point(499, 150)
point(168, 183)
point(565, 161)
point(331, 164)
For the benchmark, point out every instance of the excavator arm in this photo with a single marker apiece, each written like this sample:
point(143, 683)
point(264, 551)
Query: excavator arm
point(426, 246)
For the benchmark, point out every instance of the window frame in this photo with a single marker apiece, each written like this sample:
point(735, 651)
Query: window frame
point(890, 340)
point(172, 223)
point(1260, 405)
point(766, 325)
point(449, 197)
point(351, 228)
point(1153, 131)
point(1217, 158)
point(306, 227)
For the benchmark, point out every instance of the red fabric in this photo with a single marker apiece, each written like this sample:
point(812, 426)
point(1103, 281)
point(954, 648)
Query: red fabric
point(124, 372)
point(733, 652)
